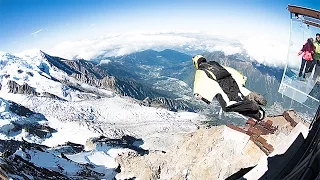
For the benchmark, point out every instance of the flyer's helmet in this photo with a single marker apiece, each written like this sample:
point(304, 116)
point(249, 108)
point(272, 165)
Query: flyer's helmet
point(197, 59)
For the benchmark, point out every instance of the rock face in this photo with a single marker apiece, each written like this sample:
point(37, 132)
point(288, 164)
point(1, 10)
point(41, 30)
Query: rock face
point(20, 110)
point(20, 89)
point(124, 142)
point(213, 153)
point(38, 130)
point(170, 104)
point(15, 88)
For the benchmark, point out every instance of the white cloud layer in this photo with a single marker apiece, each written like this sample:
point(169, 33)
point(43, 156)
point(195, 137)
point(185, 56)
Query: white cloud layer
point(263, 49)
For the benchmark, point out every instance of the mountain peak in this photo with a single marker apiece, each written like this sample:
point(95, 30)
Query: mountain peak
point(31, 53)
point(170, 50)
point(2, 53)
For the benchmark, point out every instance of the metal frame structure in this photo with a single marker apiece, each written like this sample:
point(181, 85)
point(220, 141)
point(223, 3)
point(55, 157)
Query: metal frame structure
point(313, 14)
point(313, 20)
point(308, 17)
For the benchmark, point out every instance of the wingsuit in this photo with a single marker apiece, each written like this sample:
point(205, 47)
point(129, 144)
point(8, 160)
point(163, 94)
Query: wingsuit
point(226, 85)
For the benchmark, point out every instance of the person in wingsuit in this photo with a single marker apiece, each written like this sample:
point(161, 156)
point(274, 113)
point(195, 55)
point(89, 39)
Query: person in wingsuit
point(226, 85)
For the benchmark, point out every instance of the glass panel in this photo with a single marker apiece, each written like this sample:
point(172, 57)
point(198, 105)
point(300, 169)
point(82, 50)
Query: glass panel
point(303, 90)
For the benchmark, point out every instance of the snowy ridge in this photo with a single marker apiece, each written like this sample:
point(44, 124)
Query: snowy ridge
point(30, 54)
point(2, 53)
point(35, 71)
point(53, 123)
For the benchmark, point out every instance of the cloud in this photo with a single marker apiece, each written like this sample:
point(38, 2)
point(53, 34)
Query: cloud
point(35, 33)
point(92, 25)
point(265, 50)
point(122, 44)
point(14, 42)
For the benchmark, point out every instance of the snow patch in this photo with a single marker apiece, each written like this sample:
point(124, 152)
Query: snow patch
point(105, 61)
point(4, 105)
point(100, 158)
point(68, 131)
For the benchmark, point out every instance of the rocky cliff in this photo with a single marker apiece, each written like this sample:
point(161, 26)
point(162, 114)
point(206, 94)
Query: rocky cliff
point(214, 153)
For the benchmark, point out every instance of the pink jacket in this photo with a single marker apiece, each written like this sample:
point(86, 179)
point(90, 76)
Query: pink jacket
point(307, 52)
point(306, 55)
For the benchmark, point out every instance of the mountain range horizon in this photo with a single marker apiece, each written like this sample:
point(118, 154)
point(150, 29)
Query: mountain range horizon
point(177, 66)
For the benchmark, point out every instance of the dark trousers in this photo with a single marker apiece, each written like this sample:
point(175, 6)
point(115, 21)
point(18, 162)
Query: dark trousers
point(309, 66)
point(245, 107)
point(317, 69)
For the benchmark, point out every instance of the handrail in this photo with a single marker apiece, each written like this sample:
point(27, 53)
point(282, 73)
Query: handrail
point(311, 23)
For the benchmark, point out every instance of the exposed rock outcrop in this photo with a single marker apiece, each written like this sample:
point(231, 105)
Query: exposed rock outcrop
point(72, 147)
point(8, 147)
point(41, 131)
point(213, 153)
point(20, 110)
point(124, 142)
point(15, 88)
point(170, 104)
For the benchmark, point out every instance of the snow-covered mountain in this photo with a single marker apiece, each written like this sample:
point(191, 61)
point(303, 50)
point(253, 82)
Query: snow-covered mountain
point(75, 119)
point(60, 120)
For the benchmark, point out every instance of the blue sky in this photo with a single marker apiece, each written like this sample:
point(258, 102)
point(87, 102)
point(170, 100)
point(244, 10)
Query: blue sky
point(26, 24)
